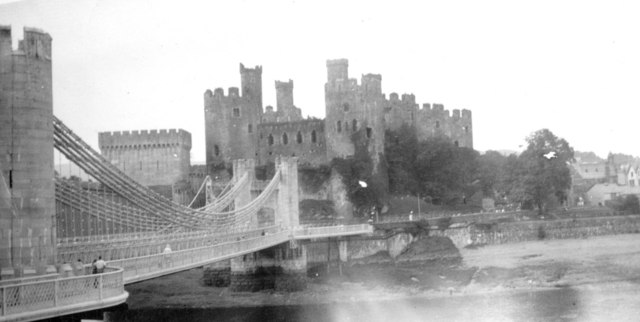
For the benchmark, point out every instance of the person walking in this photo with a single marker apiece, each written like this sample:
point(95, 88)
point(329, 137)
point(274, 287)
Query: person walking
point(94, 268)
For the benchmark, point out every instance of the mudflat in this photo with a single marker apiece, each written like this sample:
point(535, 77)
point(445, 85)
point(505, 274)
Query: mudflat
point(601, 265)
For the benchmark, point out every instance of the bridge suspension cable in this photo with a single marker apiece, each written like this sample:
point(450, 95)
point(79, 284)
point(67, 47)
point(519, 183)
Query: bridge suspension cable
point(175, 215)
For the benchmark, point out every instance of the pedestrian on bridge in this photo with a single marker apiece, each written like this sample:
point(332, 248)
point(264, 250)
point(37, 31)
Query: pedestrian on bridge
point(100, 265)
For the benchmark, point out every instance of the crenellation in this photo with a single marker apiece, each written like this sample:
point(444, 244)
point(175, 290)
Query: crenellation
point(234, 92)
point(218, 92)
point(456, 114)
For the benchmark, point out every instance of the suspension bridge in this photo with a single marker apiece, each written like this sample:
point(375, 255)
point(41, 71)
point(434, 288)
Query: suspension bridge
point(143, 235)
point(52, 227)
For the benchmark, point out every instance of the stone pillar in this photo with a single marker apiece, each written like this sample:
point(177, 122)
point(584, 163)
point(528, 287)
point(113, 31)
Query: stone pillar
point(242, 278)
point(343, 250)
point(288, 205)
point(27, 200)
point(292, 261)
point(240, 167)
point(217, 274)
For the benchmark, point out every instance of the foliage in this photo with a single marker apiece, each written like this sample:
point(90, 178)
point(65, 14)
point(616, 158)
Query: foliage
point(544, 171)
point(312, 178)
point(435, 168)
point(358, 168)
point(628, 203)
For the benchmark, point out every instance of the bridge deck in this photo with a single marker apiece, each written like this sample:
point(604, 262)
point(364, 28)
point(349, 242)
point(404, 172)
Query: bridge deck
point(40, 298)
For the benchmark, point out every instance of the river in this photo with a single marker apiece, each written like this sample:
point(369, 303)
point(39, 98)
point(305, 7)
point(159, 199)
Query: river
point(620, 302)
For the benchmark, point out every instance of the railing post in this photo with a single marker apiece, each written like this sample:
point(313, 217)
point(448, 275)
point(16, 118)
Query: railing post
point(100, 286)
point(4, 301)
point(55, 292)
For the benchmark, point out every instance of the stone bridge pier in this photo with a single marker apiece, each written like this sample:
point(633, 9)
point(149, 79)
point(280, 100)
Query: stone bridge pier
point(282, 267)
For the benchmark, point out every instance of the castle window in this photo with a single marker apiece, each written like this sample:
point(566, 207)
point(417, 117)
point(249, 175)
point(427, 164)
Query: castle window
point(345, 106)
point(140, 165)
point(339, 125)
point(368, 133)
point(236, 112)
point(437, 124)
point(285, 139)
point(313, 136)
point(250, 128)
point(466, 129)
point(270, 139)
point(456, 143)
point(354, 125)
point(299, 137)
point(216, 150)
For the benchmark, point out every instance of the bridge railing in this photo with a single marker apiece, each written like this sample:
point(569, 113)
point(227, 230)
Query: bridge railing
point(150, 245)
point(140, 268)
point(54, 294)
point(307, 231)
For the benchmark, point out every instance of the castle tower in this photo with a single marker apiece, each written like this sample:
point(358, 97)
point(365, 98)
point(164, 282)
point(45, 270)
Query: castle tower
point(284, 95)
point(231, 120)
point(251, 80)
point(27, 195)
point(353, 112)
point(337, 69)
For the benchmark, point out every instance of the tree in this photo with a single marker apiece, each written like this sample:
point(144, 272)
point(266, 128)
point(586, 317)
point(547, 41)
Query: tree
point(445, 172)
point(401, 151)
point(491, 172)
point(545, 174)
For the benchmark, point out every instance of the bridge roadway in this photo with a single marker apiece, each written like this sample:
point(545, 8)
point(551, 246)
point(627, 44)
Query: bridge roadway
point(48, 296)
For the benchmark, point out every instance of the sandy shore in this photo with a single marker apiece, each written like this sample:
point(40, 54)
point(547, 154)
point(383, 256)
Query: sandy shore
point(605, 263)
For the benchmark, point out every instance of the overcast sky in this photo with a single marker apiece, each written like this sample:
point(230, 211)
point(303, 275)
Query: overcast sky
point(570, 66)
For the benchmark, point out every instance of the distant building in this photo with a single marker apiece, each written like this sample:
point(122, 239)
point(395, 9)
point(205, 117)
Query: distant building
point(595, 183)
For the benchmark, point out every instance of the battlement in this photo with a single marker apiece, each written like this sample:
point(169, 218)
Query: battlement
point(409, 98)
point(438, 109)
point(284, 85)
point(219, 92)
point(36, 43)
point(257, 69)
point(337, 69)
point(144, 139)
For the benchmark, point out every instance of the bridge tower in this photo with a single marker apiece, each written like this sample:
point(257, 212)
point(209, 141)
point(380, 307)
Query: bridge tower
point(287, 210)
point(240, 167)
point(27, 193)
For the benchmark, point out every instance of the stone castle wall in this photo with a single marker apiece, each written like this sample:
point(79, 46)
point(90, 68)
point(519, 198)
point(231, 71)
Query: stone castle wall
point(152, 158)
point(304, 139)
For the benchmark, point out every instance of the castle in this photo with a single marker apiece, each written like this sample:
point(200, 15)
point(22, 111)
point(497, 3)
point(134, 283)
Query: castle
point(236, 126)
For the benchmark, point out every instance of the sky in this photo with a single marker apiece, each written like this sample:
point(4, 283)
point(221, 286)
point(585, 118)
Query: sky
point(570, 66)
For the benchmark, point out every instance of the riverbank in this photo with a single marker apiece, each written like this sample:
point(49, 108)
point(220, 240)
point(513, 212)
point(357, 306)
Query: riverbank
point(607, 262)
